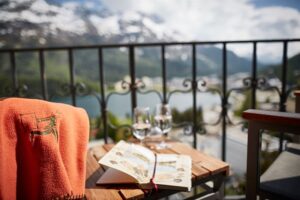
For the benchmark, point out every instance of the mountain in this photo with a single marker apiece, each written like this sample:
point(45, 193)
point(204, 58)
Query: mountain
point(293, 70)
point(39, 23)
point(30, 23)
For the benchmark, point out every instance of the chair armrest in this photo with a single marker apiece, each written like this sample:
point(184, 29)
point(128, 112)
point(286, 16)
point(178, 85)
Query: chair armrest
point(297, 94)
point(267, 120)
point(282, 118)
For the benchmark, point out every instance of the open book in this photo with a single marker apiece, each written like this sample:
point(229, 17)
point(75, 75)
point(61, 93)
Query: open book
point(129, 163)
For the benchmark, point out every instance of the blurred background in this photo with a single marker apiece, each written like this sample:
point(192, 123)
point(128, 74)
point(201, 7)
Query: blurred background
point(63, 23)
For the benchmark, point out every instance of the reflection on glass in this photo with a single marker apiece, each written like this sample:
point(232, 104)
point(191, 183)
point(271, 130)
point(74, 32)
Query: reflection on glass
point(163, 120)
point(141, 123)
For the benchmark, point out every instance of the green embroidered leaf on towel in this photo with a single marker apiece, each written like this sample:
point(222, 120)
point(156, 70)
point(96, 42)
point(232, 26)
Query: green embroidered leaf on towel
point(40, 125)
point(50, 128)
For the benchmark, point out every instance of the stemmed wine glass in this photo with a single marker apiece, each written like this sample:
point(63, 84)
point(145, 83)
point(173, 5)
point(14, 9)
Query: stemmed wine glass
point(163, 120)
point(141, 123)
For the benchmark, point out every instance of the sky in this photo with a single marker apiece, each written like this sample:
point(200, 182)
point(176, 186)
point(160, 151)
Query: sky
point(221, 19)
point(225, 20)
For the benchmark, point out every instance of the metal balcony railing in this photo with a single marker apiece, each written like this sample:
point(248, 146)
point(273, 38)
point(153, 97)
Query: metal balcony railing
point(133, 87)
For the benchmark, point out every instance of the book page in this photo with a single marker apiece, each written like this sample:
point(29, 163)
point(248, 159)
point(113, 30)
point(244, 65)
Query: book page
point(134, 160)
point(173, 171)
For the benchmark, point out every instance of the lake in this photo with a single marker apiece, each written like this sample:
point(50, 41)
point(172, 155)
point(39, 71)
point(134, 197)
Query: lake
point(120, 105)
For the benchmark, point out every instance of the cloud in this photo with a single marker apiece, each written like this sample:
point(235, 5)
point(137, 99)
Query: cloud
point(221, 20)
point(53, 17)
point(106, 26)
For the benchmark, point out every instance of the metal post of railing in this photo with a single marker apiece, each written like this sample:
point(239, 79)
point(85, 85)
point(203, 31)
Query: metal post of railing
point(254, 76)
point(224, 101)
point(72, 75)
point(194, 89)
point(13, 72)
point(164, 76)
point(43, 75)
point(103, 99)
point(283, 96)
point(132, 76)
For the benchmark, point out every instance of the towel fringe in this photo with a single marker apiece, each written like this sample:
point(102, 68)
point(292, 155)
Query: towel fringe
point(70, 197)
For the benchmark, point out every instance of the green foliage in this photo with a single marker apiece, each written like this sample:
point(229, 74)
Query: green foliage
point(245, 105)
point(187, 116)
point(116, 134)
point(56, 69)
point(237, 187)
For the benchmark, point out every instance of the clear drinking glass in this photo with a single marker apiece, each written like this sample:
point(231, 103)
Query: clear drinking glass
point(163, 120)
point(141, 123)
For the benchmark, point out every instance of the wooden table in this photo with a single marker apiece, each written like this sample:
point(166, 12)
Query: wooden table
point(204, 168)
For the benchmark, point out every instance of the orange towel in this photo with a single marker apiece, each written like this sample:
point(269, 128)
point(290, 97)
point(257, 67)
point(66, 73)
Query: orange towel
point(43, 149)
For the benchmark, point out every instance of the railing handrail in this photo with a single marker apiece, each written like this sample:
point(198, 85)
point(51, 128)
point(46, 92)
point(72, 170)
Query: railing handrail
point(55, 48)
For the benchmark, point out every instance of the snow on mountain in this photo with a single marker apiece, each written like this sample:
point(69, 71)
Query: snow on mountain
point(30, 23)
point(133, 27)
point(41, 20)
point(39, 12)
point(105, 26)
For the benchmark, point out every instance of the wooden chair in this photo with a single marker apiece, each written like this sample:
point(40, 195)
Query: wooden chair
point(282, 178)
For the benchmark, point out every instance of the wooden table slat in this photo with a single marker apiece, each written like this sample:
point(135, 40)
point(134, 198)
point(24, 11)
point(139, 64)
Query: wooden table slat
point(199, 171)
point(132, 193)
point(93, 173)
point(215, 167)
point(102, 193)
point(108, 147)
point(98, 152)
point(92, 166)
point(181, 148)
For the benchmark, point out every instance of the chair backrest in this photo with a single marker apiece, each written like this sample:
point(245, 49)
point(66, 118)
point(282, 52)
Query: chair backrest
point(42, 149)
